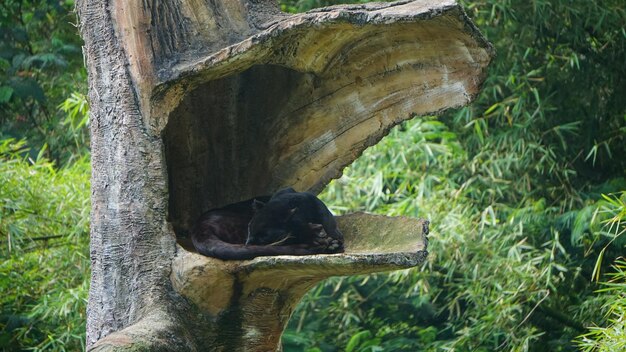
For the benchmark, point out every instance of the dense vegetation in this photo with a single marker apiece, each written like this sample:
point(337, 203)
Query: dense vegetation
point(525, 189)
point(40, 66)
point(44, 178)
point(44, 272)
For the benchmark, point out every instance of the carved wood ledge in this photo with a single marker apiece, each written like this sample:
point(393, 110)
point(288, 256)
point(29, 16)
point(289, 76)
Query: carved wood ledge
point(263, 292)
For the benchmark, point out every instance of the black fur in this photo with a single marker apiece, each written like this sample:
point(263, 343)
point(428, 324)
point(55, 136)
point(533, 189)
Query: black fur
point(221, 233)
point(289, 217)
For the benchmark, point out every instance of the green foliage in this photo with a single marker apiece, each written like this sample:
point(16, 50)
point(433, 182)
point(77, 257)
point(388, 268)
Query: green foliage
point(514, 188)
point(44, 259)
point(613, 337)
point(75, 123)
point(40, 65)
point(612, 212)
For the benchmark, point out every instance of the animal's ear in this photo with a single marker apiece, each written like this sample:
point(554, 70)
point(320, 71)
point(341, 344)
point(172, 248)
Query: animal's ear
point(284, 191)
point(290, 212)
point(257, 205)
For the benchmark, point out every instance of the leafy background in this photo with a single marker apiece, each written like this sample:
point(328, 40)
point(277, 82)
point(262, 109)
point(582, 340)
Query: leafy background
point(525, 190)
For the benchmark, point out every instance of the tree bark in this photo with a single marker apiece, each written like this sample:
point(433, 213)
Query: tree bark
point(195, 105)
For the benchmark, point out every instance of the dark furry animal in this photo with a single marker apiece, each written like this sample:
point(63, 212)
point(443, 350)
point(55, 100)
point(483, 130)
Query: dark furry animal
point(221, 233)
point(291, 217)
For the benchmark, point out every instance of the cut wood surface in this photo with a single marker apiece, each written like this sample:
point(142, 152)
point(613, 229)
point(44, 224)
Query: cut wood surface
point(304, 95)
point(373, 243)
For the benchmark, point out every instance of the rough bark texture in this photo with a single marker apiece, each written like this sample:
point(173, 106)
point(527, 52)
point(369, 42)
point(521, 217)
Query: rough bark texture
point(131, 244)
point(199, 104)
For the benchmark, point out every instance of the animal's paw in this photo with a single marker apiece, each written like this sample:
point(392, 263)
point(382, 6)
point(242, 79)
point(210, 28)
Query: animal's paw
point(325, 242)
point(335, 246)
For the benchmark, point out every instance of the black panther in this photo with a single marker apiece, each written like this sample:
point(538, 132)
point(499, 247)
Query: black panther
point(288, 223)
point(291, 217)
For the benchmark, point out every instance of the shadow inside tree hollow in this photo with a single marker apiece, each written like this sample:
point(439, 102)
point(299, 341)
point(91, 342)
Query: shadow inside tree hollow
point(223, 141)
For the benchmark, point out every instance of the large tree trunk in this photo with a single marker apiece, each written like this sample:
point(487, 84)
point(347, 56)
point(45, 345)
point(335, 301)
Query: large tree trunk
point(197, 104)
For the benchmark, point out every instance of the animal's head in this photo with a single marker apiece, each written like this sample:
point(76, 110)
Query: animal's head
point(270, 223)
